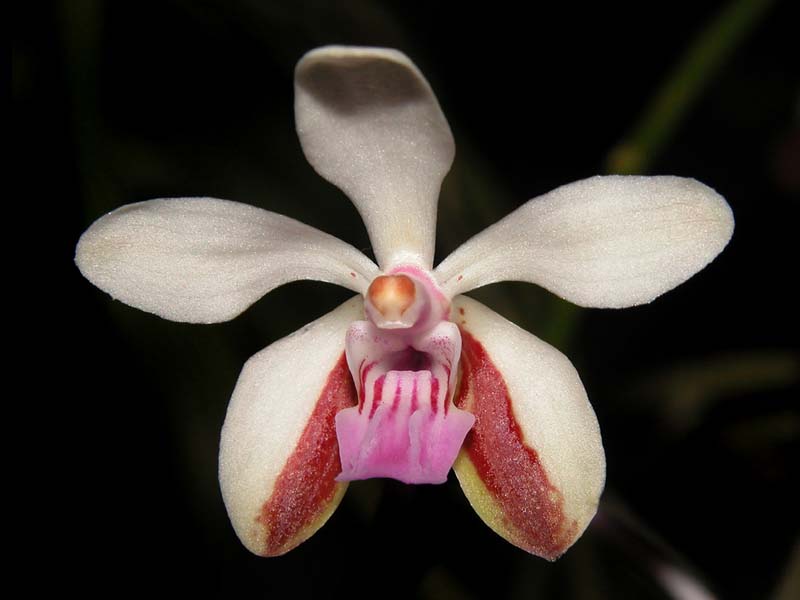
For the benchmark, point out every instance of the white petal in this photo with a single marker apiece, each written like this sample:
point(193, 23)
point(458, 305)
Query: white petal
point(604, 242)
point(370, 124)
point(533, 465)
point(278, 453)
point(203, 260)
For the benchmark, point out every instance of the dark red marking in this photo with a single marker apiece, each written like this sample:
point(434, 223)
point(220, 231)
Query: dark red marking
point(461, 311)
point(306, 485)
point(414, 399)
point(377, 392)
point(397, 393)
point(435, 396)
point(460, 277)
point(352, 274)
point(510, 470)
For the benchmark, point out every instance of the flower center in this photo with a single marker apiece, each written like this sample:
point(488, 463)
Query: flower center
point(404, 361)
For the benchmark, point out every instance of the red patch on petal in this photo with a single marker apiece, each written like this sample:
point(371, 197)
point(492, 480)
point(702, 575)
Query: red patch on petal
point(307, 483)
point(511, 471)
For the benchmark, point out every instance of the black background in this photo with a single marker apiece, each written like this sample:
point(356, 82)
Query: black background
point(116, 102)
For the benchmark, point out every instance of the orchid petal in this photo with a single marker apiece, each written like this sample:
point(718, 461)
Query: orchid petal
point(203, 260)
point(370, 124)
point(278, 455)
point(605, 242)
point(533, 465)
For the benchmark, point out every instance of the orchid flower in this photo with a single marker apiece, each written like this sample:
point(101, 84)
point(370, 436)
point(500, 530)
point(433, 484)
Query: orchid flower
point(409, 378)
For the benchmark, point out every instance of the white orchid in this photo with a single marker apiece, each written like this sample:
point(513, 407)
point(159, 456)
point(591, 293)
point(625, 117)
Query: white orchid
point(408, 378)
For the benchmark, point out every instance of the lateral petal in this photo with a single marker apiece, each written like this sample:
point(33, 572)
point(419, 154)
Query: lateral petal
point(278, 455)
point(370, 124)
point(533, 465)
point(203, 260)
point(606, 242)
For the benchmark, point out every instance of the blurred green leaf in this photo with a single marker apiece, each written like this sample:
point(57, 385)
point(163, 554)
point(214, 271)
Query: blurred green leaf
point(788, 587)
point(673, 100)
point(683, 394)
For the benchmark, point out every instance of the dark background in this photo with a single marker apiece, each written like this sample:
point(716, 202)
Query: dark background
point(696, 394)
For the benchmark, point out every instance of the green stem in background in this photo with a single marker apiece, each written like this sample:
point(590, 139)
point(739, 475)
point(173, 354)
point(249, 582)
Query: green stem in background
point(673, 100)
point(671, 103)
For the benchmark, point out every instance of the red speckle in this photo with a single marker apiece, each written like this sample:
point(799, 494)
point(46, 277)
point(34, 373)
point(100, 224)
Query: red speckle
point(306, 484)
point(461, 311)
point(510, 470)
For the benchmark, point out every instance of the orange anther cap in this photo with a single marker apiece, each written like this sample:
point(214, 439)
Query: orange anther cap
point(391, 295)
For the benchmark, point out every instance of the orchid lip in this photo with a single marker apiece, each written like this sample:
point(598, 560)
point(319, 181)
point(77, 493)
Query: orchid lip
point(405, 425)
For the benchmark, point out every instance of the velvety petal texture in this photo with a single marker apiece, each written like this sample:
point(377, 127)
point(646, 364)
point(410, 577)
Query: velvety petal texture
point(203, 260)
point(533, 465)
point(369, 123)
point(279, 457)
point(606, 242)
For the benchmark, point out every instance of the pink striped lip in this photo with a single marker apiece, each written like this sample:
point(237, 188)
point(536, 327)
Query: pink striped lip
point(404, 426)
point(403, 435)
